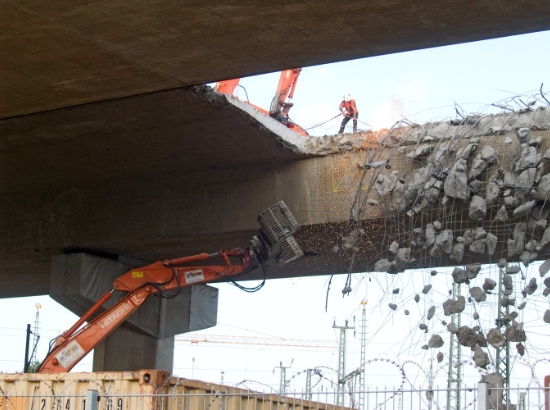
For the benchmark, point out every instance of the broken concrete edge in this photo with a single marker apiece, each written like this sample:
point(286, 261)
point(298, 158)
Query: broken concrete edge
point(309, 146)
point(288, 138)
point(400, 134)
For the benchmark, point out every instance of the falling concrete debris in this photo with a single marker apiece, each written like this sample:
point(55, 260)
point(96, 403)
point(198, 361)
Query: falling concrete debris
point(431, 312)
point(478, 294)
point(426, 289)
point(510, 317)
point(544, 268)
point(439, 357)
point(468, 337)
point(422, 326)
point(392, 306)
point(451, 307)
point(508, 284)
point(481, 359)
point(507, 301)
point(515, 333)
point(531, 287)
point(435, 341)
point(469, 168)
point(473, 270)
point(495, 338)
point(489, 284)
point(512, 270)
point(452, 328)
point(496, 386)
point(546, 317)
point(521, 349)
point(460, 275)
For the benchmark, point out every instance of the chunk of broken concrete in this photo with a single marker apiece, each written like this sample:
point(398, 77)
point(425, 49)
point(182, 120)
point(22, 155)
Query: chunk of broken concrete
point(543, 190)
point(491, 193)
point(524, 209)
point(491, 243)
point(382, 265)
point(512, 270)
point(431, 312)
point(478, 294)
point(529, 158)
point(459, 275)
point(515, 333)
point(478, 246)
point(472, 270)
point(489, 284)
point(478, 208)
point(435, 341)
point(495, 338)
point(524, 135)
point(457, 252)
point(531, 287)
point(451, 307)
point(481, 359)
point(456, 183)
point(467, 336)
point(502, 214)
point(477, 168)
point(452, 328)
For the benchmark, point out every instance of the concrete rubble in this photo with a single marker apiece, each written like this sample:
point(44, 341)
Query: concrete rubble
point(488, 169)
point(436, 341)
point(478, 294)
point(491, 174)
point(451, 307)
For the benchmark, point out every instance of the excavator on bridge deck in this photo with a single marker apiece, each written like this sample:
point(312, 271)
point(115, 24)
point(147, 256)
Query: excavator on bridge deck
point(163, 278)
point(280, 105)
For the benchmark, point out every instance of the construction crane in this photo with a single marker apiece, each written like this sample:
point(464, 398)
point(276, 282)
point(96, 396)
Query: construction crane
point(254, 340)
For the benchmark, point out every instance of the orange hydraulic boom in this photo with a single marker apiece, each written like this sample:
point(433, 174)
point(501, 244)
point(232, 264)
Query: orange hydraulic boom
point(279, 105)
point(274, 239)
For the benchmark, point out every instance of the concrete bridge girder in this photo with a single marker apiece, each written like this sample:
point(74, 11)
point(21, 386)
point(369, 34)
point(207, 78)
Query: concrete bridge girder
point(213, 208)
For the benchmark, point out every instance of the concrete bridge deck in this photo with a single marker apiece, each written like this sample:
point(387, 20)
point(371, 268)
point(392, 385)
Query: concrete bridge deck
point(181, 205)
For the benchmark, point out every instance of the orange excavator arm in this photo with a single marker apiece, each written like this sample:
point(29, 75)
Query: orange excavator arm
point(141, 283)
point(273, 240)
point(285, 90)
point(280, 105)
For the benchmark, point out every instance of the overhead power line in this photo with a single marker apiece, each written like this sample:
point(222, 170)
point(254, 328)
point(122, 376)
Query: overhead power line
point(255, 340)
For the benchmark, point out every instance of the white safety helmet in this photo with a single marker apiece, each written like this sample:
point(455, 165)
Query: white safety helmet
point(347, 97)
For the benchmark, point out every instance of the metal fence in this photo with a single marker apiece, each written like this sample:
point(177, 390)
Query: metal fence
point(476, 398)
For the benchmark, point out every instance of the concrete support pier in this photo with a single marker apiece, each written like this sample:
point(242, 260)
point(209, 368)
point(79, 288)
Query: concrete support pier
point(146, 339)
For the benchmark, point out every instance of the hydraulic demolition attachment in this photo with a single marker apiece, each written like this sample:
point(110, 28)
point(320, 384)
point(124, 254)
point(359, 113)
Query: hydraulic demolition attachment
point(274, 239)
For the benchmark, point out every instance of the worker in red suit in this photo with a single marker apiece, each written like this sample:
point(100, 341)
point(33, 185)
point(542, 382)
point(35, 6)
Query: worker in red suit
point(349, 111)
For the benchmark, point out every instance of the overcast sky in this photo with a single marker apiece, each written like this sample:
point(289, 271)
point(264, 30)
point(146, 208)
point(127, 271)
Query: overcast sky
point(426, 85)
